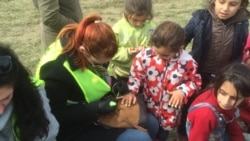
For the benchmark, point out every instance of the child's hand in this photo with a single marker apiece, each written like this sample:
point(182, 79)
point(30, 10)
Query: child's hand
point(176, 99)
point(128, 99)
point(134, 51)
point(139, 48)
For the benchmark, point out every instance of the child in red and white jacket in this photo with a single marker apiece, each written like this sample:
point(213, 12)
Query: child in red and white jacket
point(166, 75)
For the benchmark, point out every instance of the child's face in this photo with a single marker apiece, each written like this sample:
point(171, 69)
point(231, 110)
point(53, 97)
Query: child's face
point(226, 9)
point(137, 21)
point(6, 94)
point(164, 53)
point(227, 97)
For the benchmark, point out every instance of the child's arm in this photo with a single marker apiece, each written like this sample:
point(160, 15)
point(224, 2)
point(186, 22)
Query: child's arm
point(189, 85)
point(235, 133)
point(202, 123)
point(245, 111)
point(189, 30)
point(137, 74)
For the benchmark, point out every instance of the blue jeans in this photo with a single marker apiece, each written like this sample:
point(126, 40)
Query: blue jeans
point(152, 125)
point(137, 135)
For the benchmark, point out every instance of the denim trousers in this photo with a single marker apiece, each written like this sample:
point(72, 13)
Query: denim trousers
point(138, 135)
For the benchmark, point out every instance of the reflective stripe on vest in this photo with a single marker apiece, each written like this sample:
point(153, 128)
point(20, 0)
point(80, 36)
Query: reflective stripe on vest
point(92, 86)
point(51, 53)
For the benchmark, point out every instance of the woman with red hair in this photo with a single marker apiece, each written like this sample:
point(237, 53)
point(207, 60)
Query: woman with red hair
point(75, 78)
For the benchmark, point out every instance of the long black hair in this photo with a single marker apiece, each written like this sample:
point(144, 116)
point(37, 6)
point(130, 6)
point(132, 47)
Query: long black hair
point(30, 119)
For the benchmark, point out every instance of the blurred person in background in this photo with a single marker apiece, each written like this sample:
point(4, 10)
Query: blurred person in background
point(54, 15)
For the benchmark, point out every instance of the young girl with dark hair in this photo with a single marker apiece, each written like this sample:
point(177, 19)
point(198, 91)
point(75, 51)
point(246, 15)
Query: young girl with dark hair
point(213, 114)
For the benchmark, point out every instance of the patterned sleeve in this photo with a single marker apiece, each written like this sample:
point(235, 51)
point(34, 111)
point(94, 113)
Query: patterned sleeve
point(191, 79)
point(137, 73)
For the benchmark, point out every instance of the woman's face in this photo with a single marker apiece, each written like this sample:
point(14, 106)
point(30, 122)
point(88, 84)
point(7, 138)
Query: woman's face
point(226, 9)
point(6, 94)
point(227, 97)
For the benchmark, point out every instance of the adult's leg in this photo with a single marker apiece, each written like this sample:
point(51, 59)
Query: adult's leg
point(133, 135)
point(152, 125)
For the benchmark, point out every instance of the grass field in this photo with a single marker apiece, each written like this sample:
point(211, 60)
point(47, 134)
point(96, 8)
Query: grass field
point(19, 21)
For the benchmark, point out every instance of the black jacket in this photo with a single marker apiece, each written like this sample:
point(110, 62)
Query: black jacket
point(76, 120)
point(199, 29)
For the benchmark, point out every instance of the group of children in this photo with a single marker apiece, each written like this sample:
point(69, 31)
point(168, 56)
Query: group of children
point(167, 75)
point(80, 68)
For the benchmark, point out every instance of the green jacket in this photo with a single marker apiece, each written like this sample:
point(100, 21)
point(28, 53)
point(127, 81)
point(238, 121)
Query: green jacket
point(128, 37)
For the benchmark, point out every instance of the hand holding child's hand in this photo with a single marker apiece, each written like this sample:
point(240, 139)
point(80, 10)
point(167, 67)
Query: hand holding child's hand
point(176, 99)
point(128, 99)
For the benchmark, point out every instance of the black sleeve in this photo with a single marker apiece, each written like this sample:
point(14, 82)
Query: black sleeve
point(61, 87)
point(119, 86)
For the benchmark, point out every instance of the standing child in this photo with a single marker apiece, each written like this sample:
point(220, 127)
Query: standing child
point(132, 32)
point(212, 115)
point(167, 75)
point(219, 34)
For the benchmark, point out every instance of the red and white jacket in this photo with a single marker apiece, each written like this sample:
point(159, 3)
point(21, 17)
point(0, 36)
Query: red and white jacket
point(155, 77)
